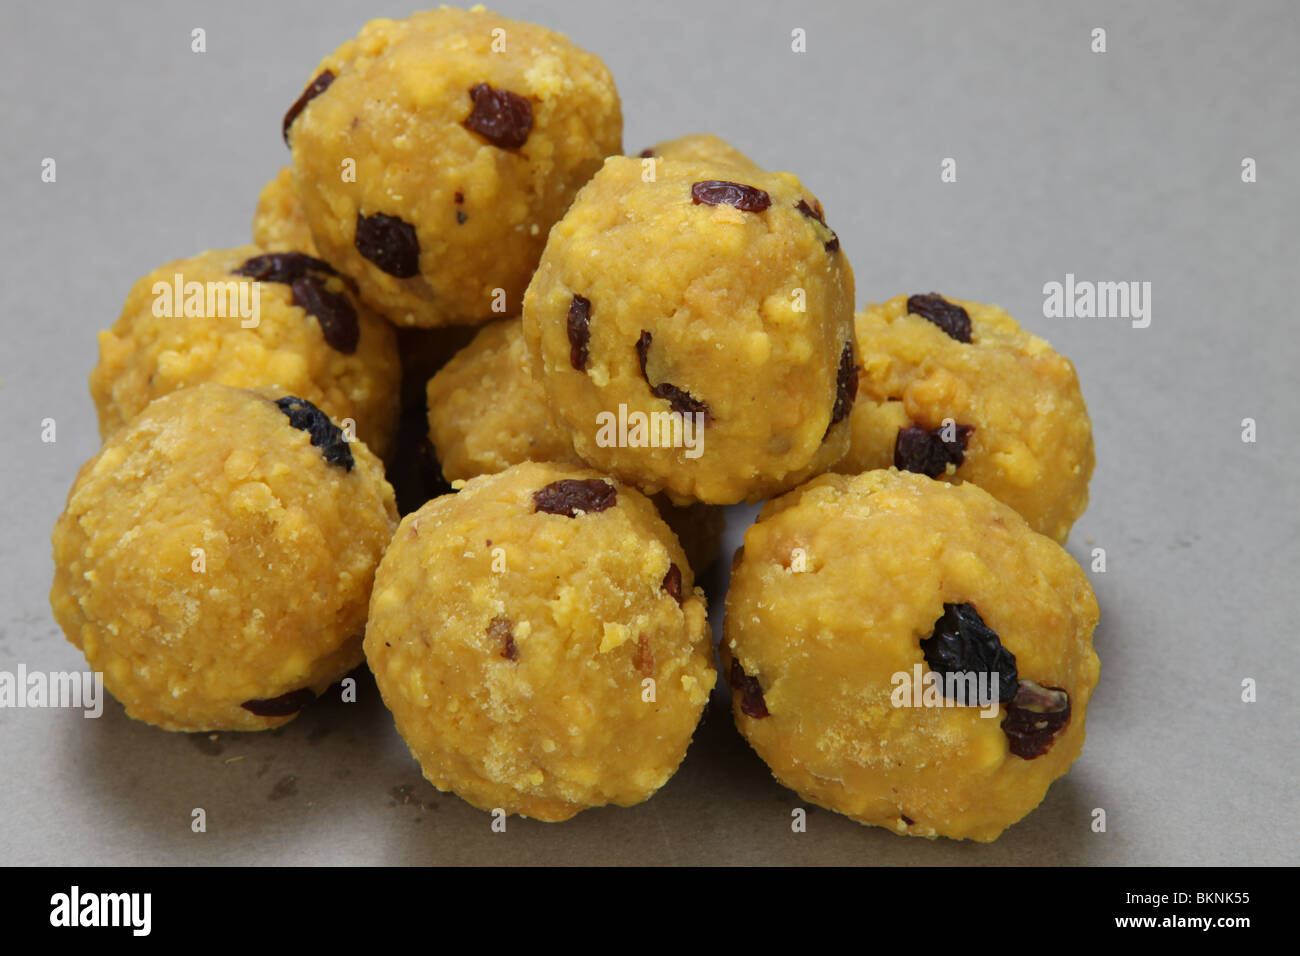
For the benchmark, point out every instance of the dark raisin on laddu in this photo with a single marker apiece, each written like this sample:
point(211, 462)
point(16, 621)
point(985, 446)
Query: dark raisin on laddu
point(579, 326)
point(502, 118)
point(679, 399)
point(282, 706)
point(283, 267)
point(949, 316)
point(718, 192)
point(333, 310)
point(1036, 716)
point(962, 643)
point(926, 452)
point(389, 243)
point(306, 276)
point(501, 631)
point(752, 703)
point(833, 243)
point(314, 89)
point(573, 496)
point(325, 435)
point(846, 384)
point(672, 584)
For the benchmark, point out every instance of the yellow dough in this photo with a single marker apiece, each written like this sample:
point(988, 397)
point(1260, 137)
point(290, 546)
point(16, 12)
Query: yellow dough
point(701, 147)
point(463, 209)
point(1032, 441)
point(486, 413)
point(278, 222)
point(837, 584)
point(514, 645)
point(731, 314)
point(145, 355)
point(215, 565)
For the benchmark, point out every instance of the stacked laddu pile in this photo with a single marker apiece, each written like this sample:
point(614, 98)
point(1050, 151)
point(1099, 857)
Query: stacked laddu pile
point(609, 350)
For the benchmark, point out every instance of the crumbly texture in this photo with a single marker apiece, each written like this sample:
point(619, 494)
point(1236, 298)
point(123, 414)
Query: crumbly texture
point(702, 147)
point(145, 355)
point(513, 646)
point(882, 553)
point(397, 108)
point(276, 600)
point(747, 313)
point(486, 413)
point(1032, 444)
point(278, 222)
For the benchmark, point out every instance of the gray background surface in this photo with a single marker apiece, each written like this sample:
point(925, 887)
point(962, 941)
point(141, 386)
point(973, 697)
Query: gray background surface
point(1120, 166)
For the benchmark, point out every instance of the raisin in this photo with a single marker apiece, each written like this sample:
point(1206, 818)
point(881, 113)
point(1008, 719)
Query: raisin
point(645, 657)
point(461, 218)
point(579, 331)
point(1035, 717)
point(460, 197)
point(281, 706)
point(833, 243)
point(672, 584)
point(680, 400)
point(333, 310)
point(811, 212)
point(751, 699)
point(325, 435)
point(906, 819)
point(846, 385)
point(570, 496)
point(389, 243)
point(283, 267)
point(646, 153)
point(962, 643)
point(949, 316)
point(643, 351)
point(501, 630)
point(502, 118)
point(926, 453)
point(314, 89)
point(717, 192)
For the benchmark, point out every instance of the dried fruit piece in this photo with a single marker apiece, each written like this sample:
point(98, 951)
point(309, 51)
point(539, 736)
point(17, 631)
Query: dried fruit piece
point(571, 496)
point(679, 399)
point(389, 243)
point(645, 658)
point(502, 118)
point(1035, 717)
point(333, 310)
point(646, 153)
point(579, 331)
point(949, 316)
point(906, 819)
point(282, 706)
point(810, 211)
point(314, 89)
point(833, 243)
point(672, 584)
point(325, 435)
point(643, 351)
point(283, 267)
point(501, 631)
point(717, 192)
point(962, 644)
point(752, 703)
point(846, 385)
point(926, 452)
point(461, 218)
